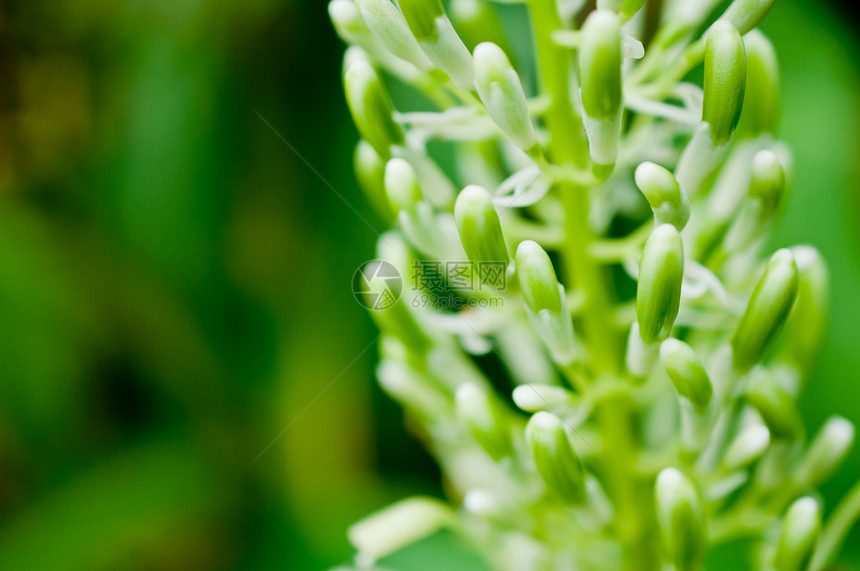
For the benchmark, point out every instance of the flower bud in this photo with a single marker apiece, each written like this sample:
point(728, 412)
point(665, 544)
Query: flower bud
point(826, 452)
point(534, 398)
point(800, 531)
point(658, 295)
point(481, 415)
point(438, 39)
point(397, 318)
point(668, 201)
point(387, 23)
point(806, 325)
point(421, 16)
point(481, 233)
point(397, 526)
point(401, 185)
point(346, 20)
point(546, 305)
point(766, 311)
point(600, 65)
point(476, 21)
point(775, 405)
point(371, 109)
point(687, 373)
point(767, 181)
point(746, 14)
point(725, 80)
point(600, 82)
point(370, 173)
point(679, 515)
point(537, 278)
point(555, 458)
point(502, 94)
point(746, 448)
point(762, 95)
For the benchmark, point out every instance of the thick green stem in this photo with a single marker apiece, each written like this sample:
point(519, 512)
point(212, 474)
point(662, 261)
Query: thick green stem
point(568, 141)
point(596, 328)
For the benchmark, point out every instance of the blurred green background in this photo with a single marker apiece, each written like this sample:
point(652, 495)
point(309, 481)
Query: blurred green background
point(175, 283)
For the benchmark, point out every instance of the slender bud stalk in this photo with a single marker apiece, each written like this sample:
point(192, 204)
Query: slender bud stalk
point(555, 459)
point(658, 295)
point(746, 14)
point(438, 39)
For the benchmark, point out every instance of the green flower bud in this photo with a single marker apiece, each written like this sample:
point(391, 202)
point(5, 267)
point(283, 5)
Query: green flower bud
point(481, 233)
point(687, 373)
point(397, 319)
point(826, 452)
point(476, 21)
point(555, 458)
point(801, 339)
point(401, 185)
point(537, 278)
point(746, 14)
point(371, 109)
point(421, 16)
point(370, 173)
point(766, 311)
point(481, 415)
point(600, 65)
point(746, 448)
point(661, 272)
point(762, 96)
point(725, 80)
point(679, 515)
point(668, 201)
point(534, 398)
point(800, 531)
point(387, 23)
point(775, 405)
point(397, 526)
point(346, 19)
point(502, 94)
point(546, 305)
point(767, 181)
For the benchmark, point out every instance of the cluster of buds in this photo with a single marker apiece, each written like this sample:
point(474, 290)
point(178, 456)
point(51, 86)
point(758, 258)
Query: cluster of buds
point(623, 428)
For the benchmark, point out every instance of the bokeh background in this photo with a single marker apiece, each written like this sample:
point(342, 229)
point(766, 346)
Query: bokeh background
point(175, 284)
